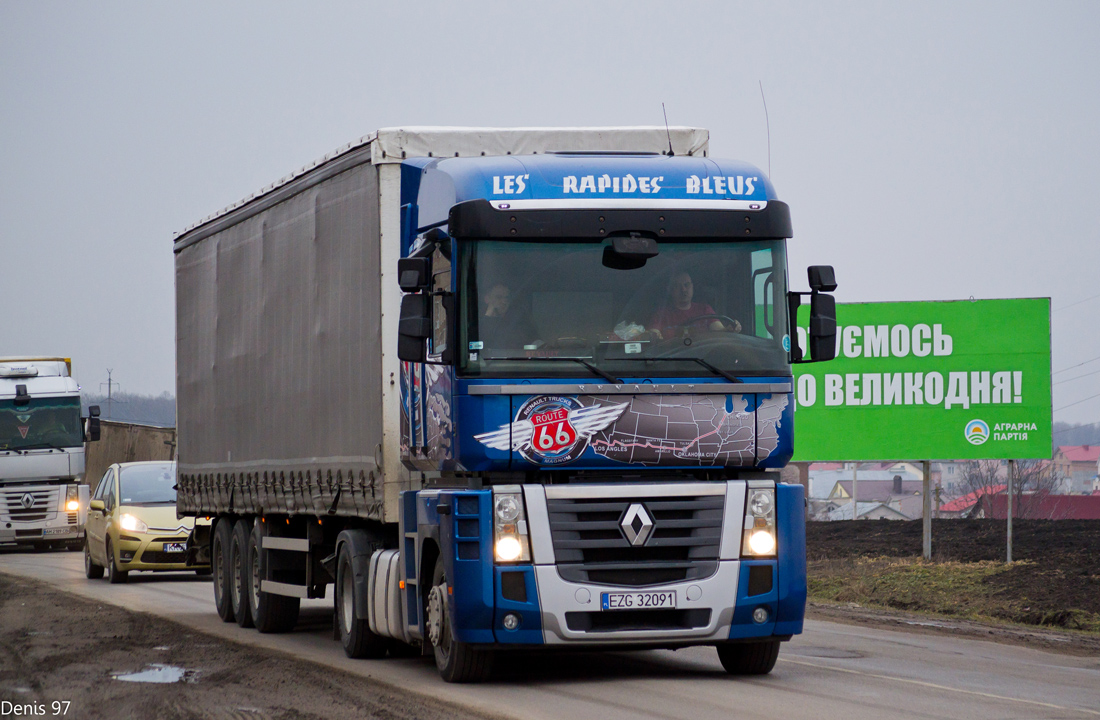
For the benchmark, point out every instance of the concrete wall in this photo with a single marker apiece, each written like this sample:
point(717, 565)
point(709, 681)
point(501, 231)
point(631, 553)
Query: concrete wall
point(126, 442)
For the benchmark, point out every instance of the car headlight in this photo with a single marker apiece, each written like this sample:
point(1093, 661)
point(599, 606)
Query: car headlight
point(133, 524)
point(758, 537)
point(510, 542)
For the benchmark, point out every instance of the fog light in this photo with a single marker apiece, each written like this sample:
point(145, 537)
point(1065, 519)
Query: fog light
point(761, 542)
point(508, 548)
point(760, 615)
point(511, 621)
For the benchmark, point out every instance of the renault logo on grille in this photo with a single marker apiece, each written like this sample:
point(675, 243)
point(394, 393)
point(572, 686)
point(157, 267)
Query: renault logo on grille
point(27, 501)
point(637, 525)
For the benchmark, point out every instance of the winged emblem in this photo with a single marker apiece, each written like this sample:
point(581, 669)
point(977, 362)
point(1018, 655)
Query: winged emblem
point(584, 421)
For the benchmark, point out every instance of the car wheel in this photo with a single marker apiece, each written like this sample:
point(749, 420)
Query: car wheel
point(271, 613)
point(238, 570)
point(221, 565)
point(114, 575)
point(751, 658)
point(355, 633)
point(92, 571)
point(457, 661)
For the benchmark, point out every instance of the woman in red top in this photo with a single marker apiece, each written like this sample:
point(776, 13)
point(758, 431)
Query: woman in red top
point(680, 310)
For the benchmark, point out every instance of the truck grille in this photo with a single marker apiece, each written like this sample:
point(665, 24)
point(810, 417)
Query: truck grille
point(590, 543)
point(42, 504)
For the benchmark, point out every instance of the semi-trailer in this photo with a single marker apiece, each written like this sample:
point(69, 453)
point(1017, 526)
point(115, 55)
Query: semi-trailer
point(504, 389)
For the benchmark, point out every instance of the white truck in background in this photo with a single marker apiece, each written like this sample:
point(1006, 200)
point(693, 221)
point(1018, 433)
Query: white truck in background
point(43, 498)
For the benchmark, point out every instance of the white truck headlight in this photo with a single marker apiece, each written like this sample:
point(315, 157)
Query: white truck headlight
point(510, 542)
point(758, 537)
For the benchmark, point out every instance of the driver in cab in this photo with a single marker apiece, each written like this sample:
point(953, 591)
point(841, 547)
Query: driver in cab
point(679, 311)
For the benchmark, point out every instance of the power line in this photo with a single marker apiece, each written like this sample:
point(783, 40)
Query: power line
point(1077, 377)
point(1077, 365)
point(1073, 428)
point(1076, 303)
point(1090, 397)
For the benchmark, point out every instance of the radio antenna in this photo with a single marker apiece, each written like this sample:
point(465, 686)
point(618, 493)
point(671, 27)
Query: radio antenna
point(669, 134)
point(768, 125)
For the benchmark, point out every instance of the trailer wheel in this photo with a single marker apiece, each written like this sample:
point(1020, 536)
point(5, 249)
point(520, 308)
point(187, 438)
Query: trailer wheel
point(754, 658)
point(358, 639)
point(271, 613)
point(457, 661)
point(221, 566)
point(114, 575)
point(238, 572)
point(92, 571)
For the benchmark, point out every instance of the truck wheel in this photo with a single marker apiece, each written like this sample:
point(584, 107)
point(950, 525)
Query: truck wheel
point(238, 572)
point(114, 575)
point(219, 563)
point(91, 570)
point(457, 661)
point(355, 634)
point(271, 613)
point(755, 658)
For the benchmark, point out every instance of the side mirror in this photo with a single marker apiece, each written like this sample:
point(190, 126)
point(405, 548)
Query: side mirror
point(414, 274)
point(822, 278)
point(94, 430)
point(22, 397)
point(822, 326)
point(413, 328)
point(93, 411)
point(96, 505)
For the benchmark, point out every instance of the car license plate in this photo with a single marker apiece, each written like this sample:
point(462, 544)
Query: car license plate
point(56, 531)
point(638, 600)
point(175, 547)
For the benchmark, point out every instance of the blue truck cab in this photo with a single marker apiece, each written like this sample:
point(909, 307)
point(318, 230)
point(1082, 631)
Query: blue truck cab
point(596, 387)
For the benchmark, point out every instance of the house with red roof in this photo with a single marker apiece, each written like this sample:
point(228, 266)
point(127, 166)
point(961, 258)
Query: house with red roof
point(1079, 464)
point(963, 506)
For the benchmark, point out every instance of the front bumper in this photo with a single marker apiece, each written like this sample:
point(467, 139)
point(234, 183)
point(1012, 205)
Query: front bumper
point(58, 529)
point(147, 552)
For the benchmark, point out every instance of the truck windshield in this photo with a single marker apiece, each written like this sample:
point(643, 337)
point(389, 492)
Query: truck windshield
point(147, 484)
point(42, 423)
point(525, 303)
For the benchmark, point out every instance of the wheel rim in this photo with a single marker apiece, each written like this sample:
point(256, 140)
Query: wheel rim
point(254, 591)
point(347, 600)
point(216, 569)
point(235, 588)
point(111, 569)
point(87, 560)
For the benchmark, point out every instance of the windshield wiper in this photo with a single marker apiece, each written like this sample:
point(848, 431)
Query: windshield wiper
point(38, 446)
point(701, 361)
point(605, 375)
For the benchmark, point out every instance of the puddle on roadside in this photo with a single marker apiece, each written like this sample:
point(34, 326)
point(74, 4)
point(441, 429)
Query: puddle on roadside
point(159, 673)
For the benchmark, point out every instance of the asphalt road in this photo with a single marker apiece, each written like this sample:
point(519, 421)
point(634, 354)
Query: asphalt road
point(831, 671)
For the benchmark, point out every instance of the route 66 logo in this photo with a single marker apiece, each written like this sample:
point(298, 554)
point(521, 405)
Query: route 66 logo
point(552, 429)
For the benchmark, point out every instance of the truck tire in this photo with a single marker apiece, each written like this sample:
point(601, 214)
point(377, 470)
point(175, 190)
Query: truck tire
point(92, 571)
point(114, 575)
point(753, 658)
point(358, 639)
point(270, 613)
point(220, 565)
point(238, 571)
point(457, 661)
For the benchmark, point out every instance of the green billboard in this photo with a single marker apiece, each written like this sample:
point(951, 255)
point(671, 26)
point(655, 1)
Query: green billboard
point(956, 380)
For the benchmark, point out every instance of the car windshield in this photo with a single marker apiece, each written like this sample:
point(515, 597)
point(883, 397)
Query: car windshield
point(695, 309)
point(147, 484)
point(41, 423)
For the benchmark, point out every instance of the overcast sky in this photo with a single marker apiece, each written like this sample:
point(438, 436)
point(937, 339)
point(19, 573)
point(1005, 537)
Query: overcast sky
point(927, 150)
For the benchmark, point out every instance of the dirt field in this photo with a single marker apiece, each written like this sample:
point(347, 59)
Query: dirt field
point(1056, 583)
point(55, 648)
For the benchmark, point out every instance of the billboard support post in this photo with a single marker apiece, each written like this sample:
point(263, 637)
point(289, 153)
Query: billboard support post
point(927, 509)
point(1011, 492)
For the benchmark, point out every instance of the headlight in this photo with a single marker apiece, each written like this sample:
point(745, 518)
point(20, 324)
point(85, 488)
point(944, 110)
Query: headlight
point(72, 499)
point(72, 505)
point(133, 524)
point(509, 525)
point(758, 537)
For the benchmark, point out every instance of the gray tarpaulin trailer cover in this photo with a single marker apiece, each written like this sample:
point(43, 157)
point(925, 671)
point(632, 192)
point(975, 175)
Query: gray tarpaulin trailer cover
point(286, 311)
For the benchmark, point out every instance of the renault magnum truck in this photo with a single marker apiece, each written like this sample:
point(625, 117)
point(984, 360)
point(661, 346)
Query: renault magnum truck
point(504, 389)
point(43, 498)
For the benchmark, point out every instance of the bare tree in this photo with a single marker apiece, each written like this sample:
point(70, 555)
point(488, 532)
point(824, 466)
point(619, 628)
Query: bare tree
point(980, 477)
point(1034, 480)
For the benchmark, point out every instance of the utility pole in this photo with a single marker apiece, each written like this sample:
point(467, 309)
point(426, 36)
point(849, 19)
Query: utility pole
point(110, 383)
point(855, 479)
